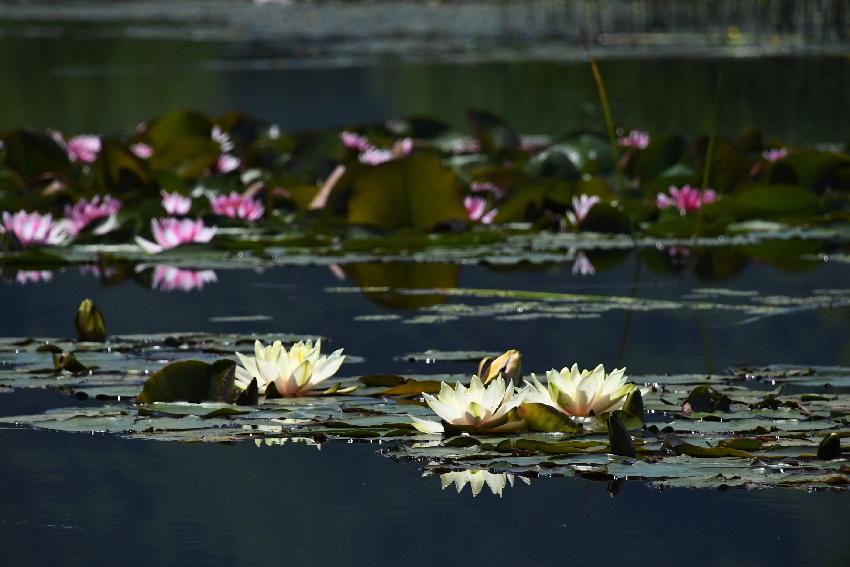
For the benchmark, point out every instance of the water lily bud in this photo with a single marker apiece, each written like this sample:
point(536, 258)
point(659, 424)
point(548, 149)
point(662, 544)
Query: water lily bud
point(89, 322)
point(509, 364)
point(829, 448)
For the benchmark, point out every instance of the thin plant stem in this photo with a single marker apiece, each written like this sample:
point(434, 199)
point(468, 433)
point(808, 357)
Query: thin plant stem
point(609, 123)
point(709, 153)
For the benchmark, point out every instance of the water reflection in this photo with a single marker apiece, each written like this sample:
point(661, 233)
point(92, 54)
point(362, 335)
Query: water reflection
point(582, 265)
point(172, 278)
point(25, 277)
point(477, 479)
point(281, 441)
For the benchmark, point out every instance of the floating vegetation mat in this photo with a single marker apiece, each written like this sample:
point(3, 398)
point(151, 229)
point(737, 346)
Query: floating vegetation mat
point(764, 427)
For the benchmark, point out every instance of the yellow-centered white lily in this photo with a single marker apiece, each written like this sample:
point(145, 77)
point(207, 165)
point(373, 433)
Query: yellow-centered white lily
point(478, 408)
point(581, 393)
point(294, 372)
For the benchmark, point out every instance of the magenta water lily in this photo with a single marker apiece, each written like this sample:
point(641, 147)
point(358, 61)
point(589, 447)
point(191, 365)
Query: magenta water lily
point(237, 206)
point(687, 199)
point(175, 203)
point(84, 212)
point(35, 229)
point(172, 232)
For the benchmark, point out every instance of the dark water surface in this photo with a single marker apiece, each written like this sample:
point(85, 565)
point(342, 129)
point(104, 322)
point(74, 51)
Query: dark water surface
point(96, 84)
point(302, 300)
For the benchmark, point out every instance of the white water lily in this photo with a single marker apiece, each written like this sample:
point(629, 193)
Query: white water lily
point(293, 372)
point(476, 479)
point(477, 408)
point(581, 393)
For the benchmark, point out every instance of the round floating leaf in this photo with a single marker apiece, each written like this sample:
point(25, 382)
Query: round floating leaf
point(89, 322)
point(417, 191)
point(181, 381)
point(705, 399)
point(682, 448)
point(382, 380)
point(413, 388)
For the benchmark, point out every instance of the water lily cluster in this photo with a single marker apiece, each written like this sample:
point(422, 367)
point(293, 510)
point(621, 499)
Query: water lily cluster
point(185, 175)
point(497, 406)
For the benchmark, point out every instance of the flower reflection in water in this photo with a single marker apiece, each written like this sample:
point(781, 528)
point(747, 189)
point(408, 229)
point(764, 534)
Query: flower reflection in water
point(25, 277)
point(477, 479)
point(582, 265)
point(171, 278)
point(280, 441)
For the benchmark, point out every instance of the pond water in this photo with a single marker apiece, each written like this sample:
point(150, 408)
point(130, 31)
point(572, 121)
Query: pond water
point(147, 501)
point(85, 499)
point(93, 84)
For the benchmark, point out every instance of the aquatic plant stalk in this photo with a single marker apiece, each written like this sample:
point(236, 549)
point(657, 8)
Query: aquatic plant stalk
point(709, 152)
point(609, 123)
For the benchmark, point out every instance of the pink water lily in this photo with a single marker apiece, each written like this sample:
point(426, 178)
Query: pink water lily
point(237, 206)
point(476, 210)
point(581, 207)
point(377, 156)
point(83, 212)
point(83, 148)
point(354, 141)
point(171, 278)
point(175, 203)
point(222, 138)
point(35, 229)
point(171, 233)
point(142, 151)
point(634, 139)
point(227, 163)
point(687, 199)
point(775, 154)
